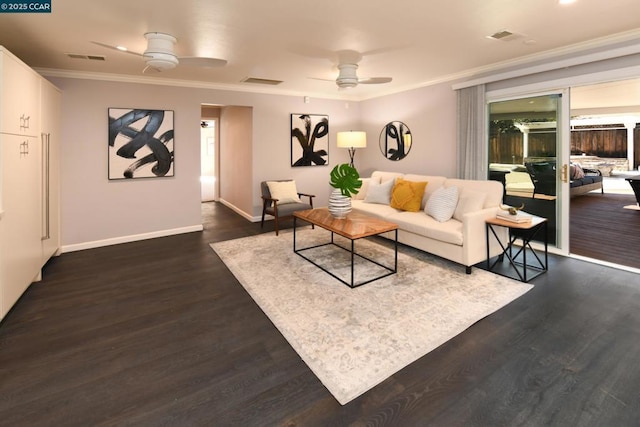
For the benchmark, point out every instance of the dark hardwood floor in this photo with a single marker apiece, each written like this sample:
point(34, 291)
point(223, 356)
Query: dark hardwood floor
point(601, 228)
point(159, 332)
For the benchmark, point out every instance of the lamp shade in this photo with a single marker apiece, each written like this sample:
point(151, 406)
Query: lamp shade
point(352, 139)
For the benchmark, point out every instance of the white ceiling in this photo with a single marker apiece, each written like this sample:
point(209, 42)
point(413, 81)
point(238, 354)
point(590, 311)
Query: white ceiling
point(416, 42)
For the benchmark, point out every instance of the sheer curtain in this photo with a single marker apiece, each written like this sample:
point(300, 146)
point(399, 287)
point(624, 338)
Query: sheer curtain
point(471, 134)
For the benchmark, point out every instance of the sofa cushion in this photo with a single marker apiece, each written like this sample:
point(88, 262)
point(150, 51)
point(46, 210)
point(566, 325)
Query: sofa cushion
point(492, 189)
point(590, 179)
point(379, 193)
point(422, 224)
point(468, 201)
point(386, 176)
point(442, 203)
point(407, 195)
point(434, 181)
point(378, 210)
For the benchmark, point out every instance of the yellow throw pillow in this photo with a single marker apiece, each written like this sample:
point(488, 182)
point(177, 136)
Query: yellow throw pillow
point(407, 195)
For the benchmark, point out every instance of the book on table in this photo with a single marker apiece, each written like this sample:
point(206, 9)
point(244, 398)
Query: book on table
point(519, 217)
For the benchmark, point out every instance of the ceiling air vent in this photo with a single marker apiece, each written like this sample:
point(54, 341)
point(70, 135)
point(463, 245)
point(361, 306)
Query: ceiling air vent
point(505, 35)
point(261, 81)
point(88, 57)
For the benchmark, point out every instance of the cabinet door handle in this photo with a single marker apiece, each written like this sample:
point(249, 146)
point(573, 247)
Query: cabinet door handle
point(24, 122)
point(24, 148)
point(45, 137)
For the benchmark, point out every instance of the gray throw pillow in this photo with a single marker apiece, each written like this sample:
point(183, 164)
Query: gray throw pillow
point(379, 193)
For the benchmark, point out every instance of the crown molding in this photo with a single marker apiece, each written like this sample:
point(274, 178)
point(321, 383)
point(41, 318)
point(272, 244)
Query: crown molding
point(126, 78)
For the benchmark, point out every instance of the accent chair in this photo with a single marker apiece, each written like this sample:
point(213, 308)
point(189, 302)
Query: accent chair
point(285, 206)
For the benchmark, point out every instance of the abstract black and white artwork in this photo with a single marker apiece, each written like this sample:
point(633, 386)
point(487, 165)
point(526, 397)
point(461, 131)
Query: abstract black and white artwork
point(309, 140)
point(140, 143)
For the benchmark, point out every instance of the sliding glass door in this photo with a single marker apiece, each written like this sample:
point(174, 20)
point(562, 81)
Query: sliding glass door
point(526, 154)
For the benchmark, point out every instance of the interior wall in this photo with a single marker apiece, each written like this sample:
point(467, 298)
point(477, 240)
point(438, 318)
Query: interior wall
point(236, 149)
point(430, 114)
point(97, 212)
point(272, 145)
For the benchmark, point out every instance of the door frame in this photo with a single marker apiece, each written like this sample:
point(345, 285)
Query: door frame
point(563, 149)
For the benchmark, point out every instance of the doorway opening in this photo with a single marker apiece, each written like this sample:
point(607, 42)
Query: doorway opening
point(208, 160)
point(605, 139)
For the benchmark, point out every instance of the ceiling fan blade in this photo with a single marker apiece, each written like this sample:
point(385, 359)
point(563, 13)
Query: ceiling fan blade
point(374, 80)
point(200, 61)
point(108, 46)
point(323, 80)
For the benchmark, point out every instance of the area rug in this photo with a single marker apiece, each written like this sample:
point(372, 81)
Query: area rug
point(353, 339)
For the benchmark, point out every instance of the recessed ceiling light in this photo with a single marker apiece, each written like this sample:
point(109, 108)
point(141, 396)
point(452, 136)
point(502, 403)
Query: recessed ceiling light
point(566, 1)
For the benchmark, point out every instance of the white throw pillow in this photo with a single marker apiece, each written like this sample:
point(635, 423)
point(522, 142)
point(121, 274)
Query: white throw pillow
point(362, 193)
point(469, 201)
point(379, 193)
point(284, 191)
point(442, 203)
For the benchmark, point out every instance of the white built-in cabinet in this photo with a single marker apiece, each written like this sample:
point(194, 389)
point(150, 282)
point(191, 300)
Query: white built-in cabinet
point(29, 176)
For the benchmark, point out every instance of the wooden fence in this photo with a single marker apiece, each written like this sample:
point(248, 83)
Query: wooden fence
point(507, 147)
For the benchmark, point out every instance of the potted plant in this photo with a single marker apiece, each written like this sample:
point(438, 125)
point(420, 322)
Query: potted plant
point(346, 181)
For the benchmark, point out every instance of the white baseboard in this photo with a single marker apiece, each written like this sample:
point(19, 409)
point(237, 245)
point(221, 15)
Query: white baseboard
point(131, 238)
point(243, 213)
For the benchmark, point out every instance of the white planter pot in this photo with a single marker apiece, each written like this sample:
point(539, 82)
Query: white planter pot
point(339, 205)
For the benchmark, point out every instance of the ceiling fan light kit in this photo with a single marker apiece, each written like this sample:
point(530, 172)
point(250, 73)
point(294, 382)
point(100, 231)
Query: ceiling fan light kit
point(161, 61)
point(347, 77)
point(159, 53)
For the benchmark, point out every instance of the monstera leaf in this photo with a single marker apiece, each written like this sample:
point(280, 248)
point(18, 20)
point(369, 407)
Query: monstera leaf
point(345, 178)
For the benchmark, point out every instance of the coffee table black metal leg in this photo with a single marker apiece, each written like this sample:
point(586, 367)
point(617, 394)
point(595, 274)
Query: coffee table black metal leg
point(352, 262)
point(395, 262)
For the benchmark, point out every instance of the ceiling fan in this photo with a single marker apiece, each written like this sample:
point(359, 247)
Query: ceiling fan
point(347, 75)
point(159, 54)
point(348, 78)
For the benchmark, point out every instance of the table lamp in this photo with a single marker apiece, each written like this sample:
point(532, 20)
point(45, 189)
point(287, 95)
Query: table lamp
point(352, 140)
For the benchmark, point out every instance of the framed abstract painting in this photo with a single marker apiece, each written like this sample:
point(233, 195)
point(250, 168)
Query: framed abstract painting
point(309, 140)
point(141, 143)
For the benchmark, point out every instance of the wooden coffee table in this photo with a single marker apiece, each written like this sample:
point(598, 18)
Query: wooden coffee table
point(355, 226)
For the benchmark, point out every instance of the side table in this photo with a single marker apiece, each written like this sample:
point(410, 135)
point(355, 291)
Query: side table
point(634, 182)
point(526, 231)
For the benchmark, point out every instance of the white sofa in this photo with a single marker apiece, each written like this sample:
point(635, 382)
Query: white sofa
point(462, 238)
